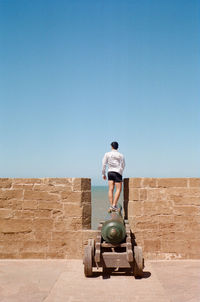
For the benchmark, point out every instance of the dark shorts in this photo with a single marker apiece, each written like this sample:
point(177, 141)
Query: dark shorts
point(116, 177)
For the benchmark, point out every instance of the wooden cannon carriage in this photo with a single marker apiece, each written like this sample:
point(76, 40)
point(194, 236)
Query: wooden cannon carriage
point(113, 248)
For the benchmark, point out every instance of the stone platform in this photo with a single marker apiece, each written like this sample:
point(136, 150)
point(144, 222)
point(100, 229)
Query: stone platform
point(64, 281)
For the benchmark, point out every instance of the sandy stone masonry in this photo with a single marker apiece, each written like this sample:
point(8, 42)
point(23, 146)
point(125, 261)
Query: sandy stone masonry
point(164, 214)
point(51, 217)
point(44, 217)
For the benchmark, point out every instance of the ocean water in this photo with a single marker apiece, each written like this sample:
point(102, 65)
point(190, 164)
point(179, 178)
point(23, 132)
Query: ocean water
point(100, 204)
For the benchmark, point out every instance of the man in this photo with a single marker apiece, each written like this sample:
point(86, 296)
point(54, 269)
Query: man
point(116, 164)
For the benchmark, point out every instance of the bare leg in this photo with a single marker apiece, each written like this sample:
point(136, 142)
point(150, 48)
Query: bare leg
point(117, 193)
point(111, 184)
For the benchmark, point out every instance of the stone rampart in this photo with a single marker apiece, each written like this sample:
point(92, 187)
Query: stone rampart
point(44, 217)
point(164, 214)
point(51, 217)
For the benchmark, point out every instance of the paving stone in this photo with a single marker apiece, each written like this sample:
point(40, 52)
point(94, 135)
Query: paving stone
point(64, 281)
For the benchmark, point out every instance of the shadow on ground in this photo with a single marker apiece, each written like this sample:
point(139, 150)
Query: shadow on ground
point(108, 272)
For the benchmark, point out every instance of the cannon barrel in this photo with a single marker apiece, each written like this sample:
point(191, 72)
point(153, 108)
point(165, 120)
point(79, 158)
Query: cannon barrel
point(113, 230)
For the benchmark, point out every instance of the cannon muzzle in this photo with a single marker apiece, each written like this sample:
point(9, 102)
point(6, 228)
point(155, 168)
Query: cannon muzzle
point(113, 230)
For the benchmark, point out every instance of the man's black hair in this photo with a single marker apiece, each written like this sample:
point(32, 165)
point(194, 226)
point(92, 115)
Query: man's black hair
point(115, 145)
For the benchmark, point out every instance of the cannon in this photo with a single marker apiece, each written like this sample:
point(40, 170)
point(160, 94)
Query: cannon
point(113, 247)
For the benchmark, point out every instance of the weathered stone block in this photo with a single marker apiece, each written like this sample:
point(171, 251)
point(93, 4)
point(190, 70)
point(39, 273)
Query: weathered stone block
point(74, 250)
point(165, 208)
point(147, 218)
point(74, 223)
point(56, 255)
point(9, 255)
point(126, 183)
point(22, 186)
point(150, 208)
point(86, 223)
point(57, 214)
point(42, 236)
point(143, 225)
point(6, 194)
point(149, 182)
point(71, 223)
point(135, 182)
point(135, 208)
point(158, 208)
point(86, 217)
point(30, 204)
point(59, 225)
point(164, 218)
point(32, 255)
point(86, 197)
point(155, 195)
point(143, 194)
point(193, 246)
point(6, 213)
point(43, 213)
point(34, 246)
point(167, 226)
point(59, 235)
point(57, 245)
point(126, 189)
point(59, 181)
point(194, 182)
point(133, 194)
point(193, 192)
point(192, 256)
point(72, 210)
point(166, 234)
point(37, 195)
point(75, 197)
point(27, 180)
point(53, 188)
point(184, 200)
point(87, 210)
point(179, 192)
point(49, 205)
point(81, 184)
point(4, 203)
point(5, 182)
point(24, 236)
point(171, 246)
point(43, 224)
point(24, 214)
point(15, 225)
point(16, 204)
point(152, 245)
point(172, 182)
point(193, 226)
point(10, 247)
point(186, 210)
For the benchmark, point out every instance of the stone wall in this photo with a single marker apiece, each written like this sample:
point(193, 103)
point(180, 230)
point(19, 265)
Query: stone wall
point(51, 217)
point(44, 217)
point(164, 214)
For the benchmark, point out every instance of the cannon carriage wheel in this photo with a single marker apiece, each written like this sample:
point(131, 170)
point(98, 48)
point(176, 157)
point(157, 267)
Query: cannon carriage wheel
point(89, 258)
point(138, 265)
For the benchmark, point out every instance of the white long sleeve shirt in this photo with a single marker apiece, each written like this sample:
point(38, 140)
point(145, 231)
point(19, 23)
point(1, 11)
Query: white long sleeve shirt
point(115, 162)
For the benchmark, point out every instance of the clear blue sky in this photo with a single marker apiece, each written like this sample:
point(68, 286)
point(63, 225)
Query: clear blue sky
point(76, 75)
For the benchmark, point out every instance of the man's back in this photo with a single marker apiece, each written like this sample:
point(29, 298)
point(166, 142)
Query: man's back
point(115, 161)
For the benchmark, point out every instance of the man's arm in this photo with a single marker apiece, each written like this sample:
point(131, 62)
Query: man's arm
point(123, 162)
point(104, 162)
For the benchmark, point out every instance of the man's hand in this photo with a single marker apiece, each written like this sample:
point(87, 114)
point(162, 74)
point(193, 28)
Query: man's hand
point(104, 177)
